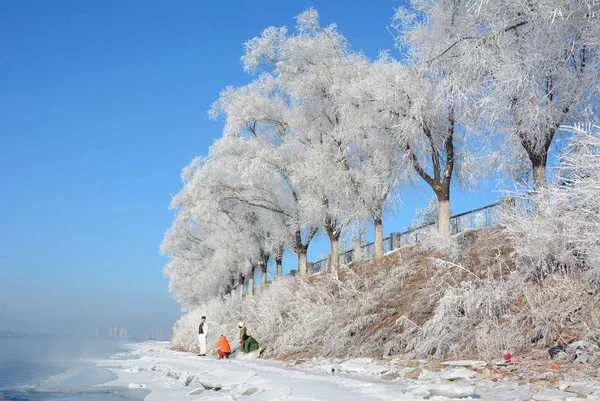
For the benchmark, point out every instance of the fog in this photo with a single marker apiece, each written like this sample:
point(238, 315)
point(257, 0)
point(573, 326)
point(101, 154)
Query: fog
point(63, 311)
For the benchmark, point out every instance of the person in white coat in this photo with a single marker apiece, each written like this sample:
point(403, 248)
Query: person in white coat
point(202, 332)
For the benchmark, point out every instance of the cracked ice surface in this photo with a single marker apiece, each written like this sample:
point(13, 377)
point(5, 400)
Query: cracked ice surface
point(173, 376)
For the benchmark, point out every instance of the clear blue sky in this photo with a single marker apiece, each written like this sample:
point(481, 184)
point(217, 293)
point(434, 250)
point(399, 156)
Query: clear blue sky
point(101, 105)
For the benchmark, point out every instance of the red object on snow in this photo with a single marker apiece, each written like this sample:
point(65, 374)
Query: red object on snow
point(508, 357)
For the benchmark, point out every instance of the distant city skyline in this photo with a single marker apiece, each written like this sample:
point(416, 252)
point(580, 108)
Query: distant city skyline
point(115, 331)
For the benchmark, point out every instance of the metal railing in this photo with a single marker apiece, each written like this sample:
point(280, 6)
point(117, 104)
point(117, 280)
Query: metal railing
point(473, 219)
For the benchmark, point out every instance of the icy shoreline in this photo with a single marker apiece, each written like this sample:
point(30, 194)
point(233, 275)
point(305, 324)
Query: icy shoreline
point(52, 368)
point(172, 375)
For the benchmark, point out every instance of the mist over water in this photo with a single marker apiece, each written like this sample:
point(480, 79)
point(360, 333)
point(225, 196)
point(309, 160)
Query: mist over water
point(53, 368)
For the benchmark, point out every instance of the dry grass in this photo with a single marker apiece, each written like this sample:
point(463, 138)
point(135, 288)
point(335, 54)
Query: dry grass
point(463, 300)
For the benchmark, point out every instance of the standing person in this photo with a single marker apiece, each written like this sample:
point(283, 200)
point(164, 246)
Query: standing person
point(202, 332)
point(224, 350)
point(243, 335)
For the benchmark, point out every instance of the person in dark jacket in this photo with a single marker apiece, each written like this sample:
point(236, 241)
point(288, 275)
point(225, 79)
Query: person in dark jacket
point(250, 344)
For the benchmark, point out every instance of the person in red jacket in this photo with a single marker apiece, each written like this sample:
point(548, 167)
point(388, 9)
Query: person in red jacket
point(224, 350)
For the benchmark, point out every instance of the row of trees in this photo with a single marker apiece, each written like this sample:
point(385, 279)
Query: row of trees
point(324, 137)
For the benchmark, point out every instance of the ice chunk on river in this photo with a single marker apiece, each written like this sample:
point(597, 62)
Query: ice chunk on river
point(362, 365)
point(443, 390)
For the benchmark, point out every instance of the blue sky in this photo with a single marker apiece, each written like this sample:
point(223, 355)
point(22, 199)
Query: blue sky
point(101, 105)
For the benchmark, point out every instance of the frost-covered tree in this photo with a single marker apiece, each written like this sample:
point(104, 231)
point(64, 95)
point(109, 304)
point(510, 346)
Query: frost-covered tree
point(535, 65)
point(419, 121)
point(266, 153)
point(232, 232)
point(543, 63)
point(309, 68)
point(350, 167)
point(375, 159)
point(435, 98)
point(204, 259)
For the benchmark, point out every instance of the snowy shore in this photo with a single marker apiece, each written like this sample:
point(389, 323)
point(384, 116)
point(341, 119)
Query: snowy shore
point(172, 376)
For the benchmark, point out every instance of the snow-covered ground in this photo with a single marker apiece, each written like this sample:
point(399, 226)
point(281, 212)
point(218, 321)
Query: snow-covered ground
point(172, 376)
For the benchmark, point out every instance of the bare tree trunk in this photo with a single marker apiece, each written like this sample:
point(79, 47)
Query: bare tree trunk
point(444, 218)
point(262, 265)
point(539, 159)
point(357, 246)
point(538, 164)
point(279, 263)
point(250, 278)
point(335, 253)
point(301, 247)
point(232, 288)
point(539, 177)
point(378, 244)
point(302, 264)
point(263, 278)
point(251, 285)
point(334, 248)
point(539, 183)
point(333, 231)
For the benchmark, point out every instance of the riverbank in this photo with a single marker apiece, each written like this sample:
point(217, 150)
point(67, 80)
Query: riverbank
point(51, 368)
point(172, 375)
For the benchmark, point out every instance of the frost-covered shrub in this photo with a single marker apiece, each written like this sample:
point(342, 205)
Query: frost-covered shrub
point(268, 312)
point(495, 337)
point(542, 242)
point(306, 310)
point(561, 309)
point(427, 234)
point(449, 246)
point(222, 317)
point(324, 316)
point(557, 228)
point(367, 310)
point(467, 318)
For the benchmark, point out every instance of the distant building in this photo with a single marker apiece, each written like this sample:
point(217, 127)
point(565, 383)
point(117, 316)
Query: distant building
point(124, 331)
